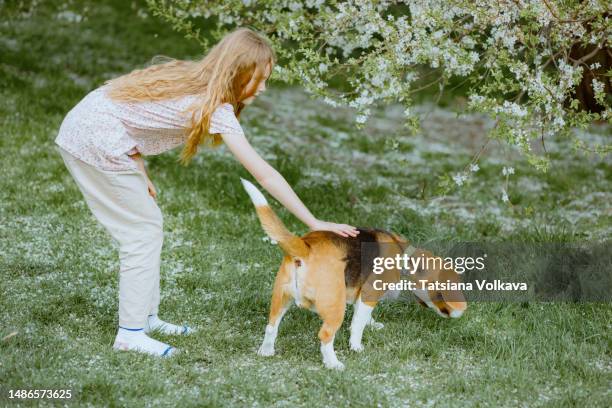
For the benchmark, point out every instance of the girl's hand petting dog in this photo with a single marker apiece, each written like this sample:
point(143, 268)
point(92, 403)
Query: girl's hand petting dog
point(343, 230)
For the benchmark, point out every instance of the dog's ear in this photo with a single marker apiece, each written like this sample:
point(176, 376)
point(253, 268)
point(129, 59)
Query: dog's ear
point(454, 299)
point(401, 240)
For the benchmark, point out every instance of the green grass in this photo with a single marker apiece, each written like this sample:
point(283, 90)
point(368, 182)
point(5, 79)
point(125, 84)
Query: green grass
point(59, 268)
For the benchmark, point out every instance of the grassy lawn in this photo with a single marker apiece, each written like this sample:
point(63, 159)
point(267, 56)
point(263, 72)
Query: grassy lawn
point(59, 268)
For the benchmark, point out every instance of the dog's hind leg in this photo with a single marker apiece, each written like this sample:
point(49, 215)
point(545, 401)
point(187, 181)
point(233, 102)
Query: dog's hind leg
point(332, 316)
point(276, 315)
point(281, 301)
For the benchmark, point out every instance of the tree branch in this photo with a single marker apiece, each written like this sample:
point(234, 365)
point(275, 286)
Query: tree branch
point(587, 56)
point(559, 20)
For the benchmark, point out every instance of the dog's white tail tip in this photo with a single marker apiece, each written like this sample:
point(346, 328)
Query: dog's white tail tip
point(256, 196)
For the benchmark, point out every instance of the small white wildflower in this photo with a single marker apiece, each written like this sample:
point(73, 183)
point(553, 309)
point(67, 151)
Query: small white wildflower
point(459, 179)
point(504, 196)
point(69, 16)
point(506, 171)
point(322, 68)
point(268, 239)
point(474, 167)
point(361, 118)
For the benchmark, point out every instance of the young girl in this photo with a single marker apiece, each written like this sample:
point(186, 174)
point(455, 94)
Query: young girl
point(147, 112)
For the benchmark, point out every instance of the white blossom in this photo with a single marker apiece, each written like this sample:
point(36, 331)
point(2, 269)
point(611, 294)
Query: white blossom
point(511, 108)
point(595, 65)
point(558, 122)
point(459, 178)
point(330, 101)
point(361, 118)
point(598, 89)
point(382, 54)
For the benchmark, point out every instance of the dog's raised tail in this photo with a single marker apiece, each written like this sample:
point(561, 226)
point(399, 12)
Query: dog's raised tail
point(290, 243)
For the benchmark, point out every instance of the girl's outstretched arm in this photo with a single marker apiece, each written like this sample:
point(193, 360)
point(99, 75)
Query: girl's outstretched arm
point(277, 186)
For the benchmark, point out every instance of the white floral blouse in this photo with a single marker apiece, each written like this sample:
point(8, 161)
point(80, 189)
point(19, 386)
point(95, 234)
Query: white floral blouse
point(102, 132)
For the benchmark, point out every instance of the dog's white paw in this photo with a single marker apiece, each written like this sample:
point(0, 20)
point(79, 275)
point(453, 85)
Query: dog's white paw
point(265, 351)
point(334, 365)
point(376, 325)
point(357, 347)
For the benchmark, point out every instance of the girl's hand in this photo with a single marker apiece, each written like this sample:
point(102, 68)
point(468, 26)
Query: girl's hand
point(140, 162)
point(152, 191)
point(343, 230)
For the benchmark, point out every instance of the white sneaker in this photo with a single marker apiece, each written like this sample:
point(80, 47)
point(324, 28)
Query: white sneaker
point(137, 340)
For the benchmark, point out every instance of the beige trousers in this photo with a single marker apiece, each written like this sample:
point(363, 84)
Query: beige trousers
point(120, 201)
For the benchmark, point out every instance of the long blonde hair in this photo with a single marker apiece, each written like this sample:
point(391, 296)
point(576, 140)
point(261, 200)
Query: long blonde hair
point(219, 77)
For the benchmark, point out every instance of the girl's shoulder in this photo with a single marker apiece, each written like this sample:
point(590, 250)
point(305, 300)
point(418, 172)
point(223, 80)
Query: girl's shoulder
point(224, 121)
point(225, 110)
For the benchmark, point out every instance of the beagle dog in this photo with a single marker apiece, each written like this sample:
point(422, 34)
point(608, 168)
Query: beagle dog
point(323, 271)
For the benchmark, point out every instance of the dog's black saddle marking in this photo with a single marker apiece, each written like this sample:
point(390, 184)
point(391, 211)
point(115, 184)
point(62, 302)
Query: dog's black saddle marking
point(360, 258)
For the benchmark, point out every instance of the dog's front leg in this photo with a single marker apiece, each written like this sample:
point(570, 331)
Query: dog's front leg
point(362, 315)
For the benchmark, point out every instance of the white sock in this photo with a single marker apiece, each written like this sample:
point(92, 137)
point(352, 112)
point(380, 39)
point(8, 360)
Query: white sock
point(136, 339)
point(155, 323)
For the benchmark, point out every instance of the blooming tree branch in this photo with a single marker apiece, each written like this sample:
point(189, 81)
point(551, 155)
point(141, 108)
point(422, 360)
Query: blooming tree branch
point(515, 55)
